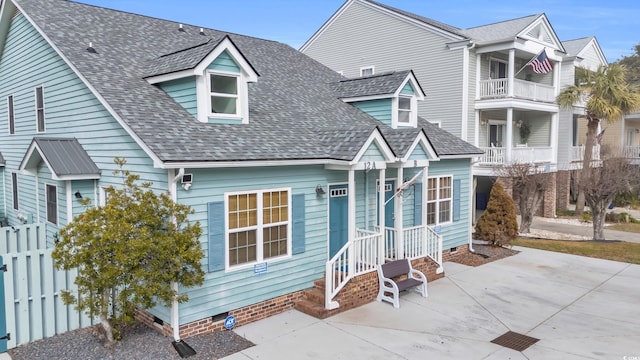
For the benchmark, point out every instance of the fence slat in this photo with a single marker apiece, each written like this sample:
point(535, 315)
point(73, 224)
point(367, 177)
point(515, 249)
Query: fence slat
point(22, 301)
point(35, 306)
point(49, 301)
point(9, 304)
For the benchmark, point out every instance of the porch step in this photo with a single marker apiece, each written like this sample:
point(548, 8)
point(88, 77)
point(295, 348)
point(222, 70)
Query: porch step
point(312, 308)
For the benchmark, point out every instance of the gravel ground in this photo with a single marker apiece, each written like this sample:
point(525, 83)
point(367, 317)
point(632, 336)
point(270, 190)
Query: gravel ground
point(139, 342)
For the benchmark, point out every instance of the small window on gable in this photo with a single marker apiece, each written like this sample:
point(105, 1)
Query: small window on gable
point(366, 71)
point(40, 108)
point(10, 115)
point(404, 110)
point(224, 94)
point(52, 204)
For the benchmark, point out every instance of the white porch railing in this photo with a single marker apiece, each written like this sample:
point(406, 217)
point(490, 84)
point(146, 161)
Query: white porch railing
point(632, 152)
point(499, 88)
point(577, 153)
point(356, 257)
point(497, 155)
point(369, 249)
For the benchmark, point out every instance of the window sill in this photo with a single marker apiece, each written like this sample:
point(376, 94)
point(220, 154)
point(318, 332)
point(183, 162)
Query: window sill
point(250, 265)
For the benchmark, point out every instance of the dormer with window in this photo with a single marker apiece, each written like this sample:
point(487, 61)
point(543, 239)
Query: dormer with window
point(213, 89)
point(392, 98)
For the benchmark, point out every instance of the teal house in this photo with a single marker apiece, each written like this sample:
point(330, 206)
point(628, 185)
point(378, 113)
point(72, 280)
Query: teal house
point(295, 172)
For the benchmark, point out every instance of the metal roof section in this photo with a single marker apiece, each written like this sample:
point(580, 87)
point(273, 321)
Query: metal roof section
point(65, 158)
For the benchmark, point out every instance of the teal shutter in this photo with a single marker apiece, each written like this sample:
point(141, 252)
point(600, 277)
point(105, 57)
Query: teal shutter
point(417, 205)
point(216, 235)
point(456, 200)
point(298, 232)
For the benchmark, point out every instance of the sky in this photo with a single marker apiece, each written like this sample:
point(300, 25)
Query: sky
point(614, 23)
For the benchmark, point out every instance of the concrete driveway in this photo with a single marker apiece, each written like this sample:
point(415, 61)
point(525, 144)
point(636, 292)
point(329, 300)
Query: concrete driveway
point(579, 308)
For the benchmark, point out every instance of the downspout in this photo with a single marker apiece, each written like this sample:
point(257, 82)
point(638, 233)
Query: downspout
point(175, 318)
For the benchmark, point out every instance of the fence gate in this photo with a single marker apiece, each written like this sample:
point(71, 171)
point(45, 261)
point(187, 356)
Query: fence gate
point(3, 315)
point(33, 308)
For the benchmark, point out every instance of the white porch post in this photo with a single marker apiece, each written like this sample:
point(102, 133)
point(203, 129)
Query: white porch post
point(509, 138)
point(425, 179)
point(382, 246)
point(69, 196)
point(476, 138)
point(554, 137)
point(397, 215)
point(351, 200)
point(512, 66)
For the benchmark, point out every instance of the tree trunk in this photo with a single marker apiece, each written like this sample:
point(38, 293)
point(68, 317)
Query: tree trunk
point(599, 213)
point(592, 128)
point(104, 317)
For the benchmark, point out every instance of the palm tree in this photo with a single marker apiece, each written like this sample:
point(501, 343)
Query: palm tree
point(608, 97)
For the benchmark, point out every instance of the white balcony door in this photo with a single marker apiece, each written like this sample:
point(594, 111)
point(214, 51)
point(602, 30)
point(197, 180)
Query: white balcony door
point(498, 69)
point(630, 135)
point(497, 133)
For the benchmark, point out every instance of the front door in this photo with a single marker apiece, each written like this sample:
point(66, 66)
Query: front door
point(389, 190)
point(338, 218)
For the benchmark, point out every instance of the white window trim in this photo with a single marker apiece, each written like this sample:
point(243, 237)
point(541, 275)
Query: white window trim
point(203, 88)
point(102, 196)
point(237, 96)
point(258, 227)
point(438, 200)
point(371, 67)
point(44, 111)
point(506, 62)
point(46, 204)
point(11, 114)
point(413, 119)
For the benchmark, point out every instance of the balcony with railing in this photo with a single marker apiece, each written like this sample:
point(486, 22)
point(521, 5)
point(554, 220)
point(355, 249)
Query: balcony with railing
point(499, 88)
point(520, 154)
point(632, 152)
point(577, 153)
point(372, 248)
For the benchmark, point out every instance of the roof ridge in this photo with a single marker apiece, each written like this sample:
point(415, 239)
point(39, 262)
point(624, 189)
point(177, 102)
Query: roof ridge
point(186, 49)
point(383, 74)
point(505, 21)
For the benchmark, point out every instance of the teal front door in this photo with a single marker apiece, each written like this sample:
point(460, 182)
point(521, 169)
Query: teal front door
point(389, 190)
point(338, 218)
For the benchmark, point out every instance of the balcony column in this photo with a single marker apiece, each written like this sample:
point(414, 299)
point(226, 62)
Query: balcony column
point(383, 231)
point(509, 137)
point(511, 71)
point(397, 214)
point(554, 137)
point(351, 205)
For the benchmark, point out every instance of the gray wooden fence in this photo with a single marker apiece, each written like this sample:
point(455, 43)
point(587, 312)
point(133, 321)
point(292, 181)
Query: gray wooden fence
point(32, 285)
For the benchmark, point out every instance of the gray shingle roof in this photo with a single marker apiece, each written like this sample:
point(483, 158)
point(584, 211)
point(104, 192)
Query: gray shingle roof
point(378, 84)
point(66, 156)
point(573, 47)
point(500, 30)
point(292, 102)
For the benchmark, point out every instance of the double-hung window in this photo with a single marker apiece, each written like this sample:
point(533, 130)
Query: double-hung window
point(439, 200)
point(12, 124)
point(258, 226)
point(40, 109)
point(52, 203)
point(224, 90)
point(404, 110)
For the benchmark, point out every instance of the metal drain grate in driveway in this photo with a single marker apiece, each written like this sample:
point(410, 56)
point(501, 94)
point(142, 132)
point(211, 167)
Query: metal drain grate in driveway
point(515, 341)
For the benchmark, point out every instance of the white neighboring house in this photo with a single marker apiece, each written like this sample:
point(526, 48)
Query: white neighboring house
point(479, 81)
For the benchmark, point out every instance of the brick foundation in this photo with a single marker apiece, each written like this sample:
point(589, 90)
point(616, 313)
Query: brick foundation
point(243, 316)
point(359, 291)
point(563, 189)
point(549, 202)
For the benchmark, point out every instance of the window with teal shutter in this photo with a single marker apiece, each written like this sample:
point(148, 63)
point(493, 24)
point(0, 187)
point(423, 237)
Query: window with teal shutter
point(417, 205)
point(216, 235)
point(456, 200)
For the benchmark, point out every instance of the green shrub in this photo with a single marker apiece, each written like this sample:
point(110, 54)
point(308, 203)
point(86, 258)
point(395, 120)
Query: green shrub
point(498, 224)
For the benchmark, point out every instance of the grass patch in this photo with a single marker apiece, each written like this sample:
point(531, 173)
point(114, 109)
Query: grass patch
point(617, 251)
point(628, 227)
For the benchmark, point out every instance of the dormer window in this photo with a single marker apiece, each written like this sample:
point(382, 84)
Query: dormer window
point(404, 110)
point(224, 94)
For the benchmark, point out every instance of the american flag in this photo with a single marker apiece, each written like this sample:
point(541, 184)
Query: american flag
point(541, 63)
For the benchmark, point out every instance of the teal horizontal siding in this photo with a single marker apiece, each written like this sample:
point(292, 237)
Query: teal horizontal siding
point(380, 109)
point(456, 233)
point(224, 62)
point(419, 154)
point(373, 153)
point(224, 121)
point(183, 91)
point(407, 89)
point(71, 110)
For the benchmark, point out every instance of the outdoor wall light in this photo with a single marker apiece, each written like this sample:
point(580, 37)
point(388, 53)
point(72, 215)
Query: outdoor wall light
point(483, 122)
point(319, 190)
point(78, 195)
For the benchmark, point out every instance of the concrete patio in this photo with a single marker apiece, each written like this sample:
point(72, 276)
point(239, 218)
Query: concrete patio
point(579, 308)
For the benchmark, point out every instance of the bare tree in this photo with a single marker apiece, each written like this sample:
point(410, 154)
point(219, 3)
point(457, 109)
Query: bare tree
point(601, 184)
point(529, 183)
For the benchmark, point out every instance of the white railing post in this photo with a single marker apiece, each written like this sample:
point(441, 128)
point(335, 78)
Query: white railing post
point(397, 218)
point(381, 217)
